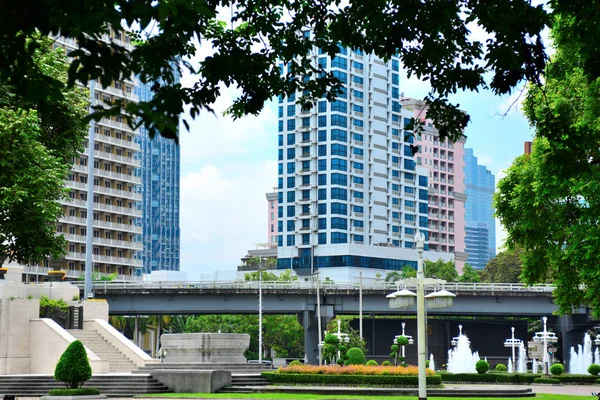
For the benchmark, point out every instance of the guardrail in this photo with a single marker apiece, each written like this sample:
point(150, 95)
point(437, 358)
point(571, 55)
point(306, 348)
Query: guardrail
point(304, 285)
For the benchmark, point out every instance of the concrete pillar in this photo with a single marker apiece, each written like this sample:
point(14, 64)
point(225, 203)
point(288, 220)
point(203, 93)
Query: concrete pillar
point(308, 320)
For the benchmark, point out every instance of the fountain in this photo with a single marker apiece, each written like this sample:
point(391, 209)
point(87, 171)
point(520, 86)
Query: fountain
point(522, 363)
point(431, 363)
point(534, 366)
point(580, 360)
point(510, 366)
point(460, 359)
point(597, 356)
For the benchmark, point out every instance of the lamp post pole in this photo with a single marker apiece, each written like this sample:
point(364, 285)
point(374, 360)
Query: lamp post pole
point(545, 319)
point(259, 312)
point(403, 350)
point(512, 329)
point(420, 239)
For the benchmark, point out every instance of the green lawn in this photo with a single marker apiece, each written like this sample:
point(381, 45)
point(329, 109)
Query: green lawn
point(319, 397)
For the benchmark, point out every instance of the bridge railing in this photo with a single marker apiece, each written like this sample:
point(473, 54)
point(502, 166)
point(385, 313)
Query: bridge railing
point(306, 285)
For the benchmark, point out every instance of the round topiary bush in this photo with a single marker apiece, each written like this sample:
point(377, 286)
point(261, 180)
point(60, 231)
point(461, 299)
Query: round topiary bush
point(73, 368)
point(295, 363)
point(386, 364)
point(594, 369)
point(501, 367)
point(355, 356)
point(372, 363)
point(482, 367)
point(557, 369)
point(402, 341)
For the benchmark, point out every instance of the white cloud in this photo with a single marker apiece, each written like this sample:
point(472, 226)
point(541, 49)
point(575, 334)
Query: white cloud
point(224, 212)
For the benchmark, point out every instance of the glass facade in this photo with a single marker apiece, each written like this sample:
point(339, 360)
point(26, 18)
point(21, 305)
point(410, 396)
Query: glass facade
point(160, 165)
point(480, 227)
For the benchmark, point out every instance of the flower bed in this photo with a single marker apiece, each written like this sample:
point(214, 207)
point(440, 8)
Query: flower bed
point(351, 370)
point(348, 379)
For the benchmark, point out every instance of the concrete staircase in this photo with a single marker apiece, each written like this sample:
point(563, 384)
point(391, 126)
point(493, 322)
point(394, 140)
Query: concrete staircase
point(103, 349)
point(109, 385)
point(237, 367)
point(245, 383)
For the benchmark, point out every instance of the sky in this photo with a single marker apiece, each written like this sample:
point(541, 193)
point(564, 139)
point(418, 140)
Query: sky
point(227, 167)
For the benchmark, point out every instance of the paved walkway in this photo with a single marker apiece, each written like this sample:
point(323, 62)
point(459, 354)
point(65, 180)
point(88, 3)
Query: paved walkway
point(575, 390)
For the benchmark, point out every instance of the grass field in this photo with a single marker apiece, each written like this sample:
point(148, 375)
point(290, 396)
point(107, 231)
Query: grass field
point(340, 397)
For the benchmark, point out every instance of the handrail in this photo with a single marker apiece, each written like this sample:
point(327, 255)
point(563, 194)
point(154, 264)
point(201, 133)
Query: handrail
point(302, 285)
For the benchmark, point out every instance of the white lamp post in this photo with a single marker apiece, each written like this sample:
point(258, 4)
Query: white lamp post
point(405, 298)
point(512, 342)
point(260, 312)
point(545, 337)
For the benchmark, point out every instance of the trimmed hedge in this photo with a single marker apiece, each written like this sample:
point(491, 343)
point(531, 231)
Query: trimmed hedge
point(294, 363)
point(386, 363)
point(74, 392)
point(372, 363)
point(501, 368)
point(546, 381)
point(327, 379)
point(568, 378)
point(495, 377)
point(482, 366)
point(355, 356)
point(594, 369)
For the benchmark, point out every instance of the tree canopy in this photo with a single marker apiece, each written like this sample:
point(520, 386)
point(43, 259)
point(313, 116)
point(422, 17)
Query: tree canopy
point(548, 201)
point(38, 139)
point(505, 267)
point(248, 40)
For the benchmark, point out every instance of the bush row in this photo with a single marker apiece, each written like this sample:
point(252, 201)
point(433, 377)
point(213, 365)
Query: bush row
point(576, 378)
point(74, 392)
point(500, 377)
point(398, 380)
point(496, 377)
point(547, 381)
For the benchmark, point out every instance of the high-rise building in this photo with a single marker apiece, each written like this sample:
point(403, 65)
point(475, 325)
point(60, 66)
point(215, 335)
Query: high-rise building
point(350, 192)
point(446, 203)
point(160, 173)
point(116, 237)
point(480, 224)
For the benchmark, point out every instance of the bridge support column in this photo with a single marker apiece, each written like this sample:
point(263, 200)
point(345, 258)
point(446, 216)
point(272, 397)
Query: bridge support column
point(308, 320)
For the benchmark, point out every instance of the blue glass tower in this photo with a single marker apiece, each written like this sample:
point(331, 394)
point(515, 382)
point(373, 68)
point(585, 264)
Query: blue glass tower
point(160, 198)
point(480, 227)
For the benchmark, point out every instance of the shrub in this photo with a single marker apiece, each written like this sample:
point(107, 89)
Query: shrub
point(294, 363)
point(557, 369)
point(402, 341)
point(546, 381)
point(427, 362)
point(500, 377)
point(386, 364)
point(577, 379)
point(482, 367)
point(341, 379)
point(74, 392)
point(594, 369)
point(73, 368)
point(351, 370)
point(501, 367)
point(372, 363)
point(355, 356)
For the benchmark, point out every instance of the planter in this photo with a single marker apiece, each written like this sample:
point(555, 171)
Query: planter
point(56, 275)
point(3, 272)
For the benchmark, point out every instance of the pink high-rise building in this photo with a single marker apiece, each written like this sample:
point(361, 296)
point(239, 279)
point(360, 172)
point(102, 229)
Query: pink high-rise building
point(445, 162)
point(272, 218)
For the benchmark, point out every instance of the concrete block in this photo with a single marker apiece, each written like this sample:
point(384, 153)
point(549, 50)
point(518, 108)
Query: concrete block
point(193, 381)
point(204, 347)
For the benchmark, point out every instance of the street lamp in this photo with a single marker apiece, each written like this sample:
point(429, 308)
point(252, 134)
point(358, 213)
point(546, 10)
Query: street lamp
point(316, 279)
point(405, 298)
point(545, 337)
point(408, 337)
point(342, 337)
point(512, 342)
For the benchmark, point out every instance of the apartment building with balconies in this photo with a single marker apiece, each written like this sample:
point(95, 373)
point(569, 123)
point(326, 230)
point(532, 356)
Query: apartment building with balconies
point(116, 237)
point(446, 203)
point(350, 194)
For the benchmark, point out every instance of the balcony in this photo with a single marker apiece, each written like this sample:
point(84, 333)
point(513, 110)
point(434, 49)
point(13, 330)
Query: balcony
point(105, 191)
point(106, 259)
point(104, 207)
point(119, 142)
point(102, 224)
point(407, 222)
point(102, 155)
point(123, 244)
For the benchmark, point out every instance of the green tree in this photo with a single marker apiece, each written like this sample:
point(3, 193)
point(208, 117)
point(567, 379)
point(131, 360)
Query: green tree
point(469, 275)
point(548, 200)
point(285, 276)
point(441, 269)
point(506, 266)
point(431, 38)
point(346, 327)
point(38, 139)
point(73, 367)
